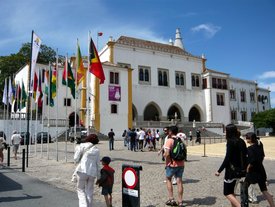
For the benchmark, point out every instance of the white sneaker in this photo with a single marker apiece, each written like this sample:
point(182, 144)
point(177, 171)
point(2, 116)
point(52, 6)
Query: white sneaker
point(174, 181)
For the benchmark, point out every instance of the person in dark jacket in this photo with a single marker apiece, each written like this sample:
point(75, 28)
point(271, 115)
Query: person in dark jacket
point(106, 180)
point(255, 169)
point(236, 157)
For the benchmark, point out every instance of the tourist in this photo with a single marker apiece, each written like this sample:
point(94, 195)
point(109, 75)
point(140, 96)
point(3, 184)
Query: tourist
point(88, 157)
point(15, 141)
point(173, 168)
point(255, 170)
point(111, 136)
point(198, 134)
point(106, 180)
point(3, 146)
point(236, 153)
point(141, 134)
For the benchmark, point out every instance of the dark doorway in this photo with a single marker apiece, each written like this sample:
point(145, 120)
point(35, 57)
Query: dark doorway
point(72, 120)
point(173, 110)
point(194, 114)
point(151, 113)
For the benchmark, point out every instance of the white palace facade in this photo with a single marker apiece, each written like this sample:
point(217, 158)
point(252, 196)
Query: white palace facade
point(149, 82)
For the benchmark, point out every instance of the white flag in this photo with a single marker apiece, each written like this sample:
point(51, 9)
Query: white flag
point(5, 93)
point(36, 43)
point(10, 93)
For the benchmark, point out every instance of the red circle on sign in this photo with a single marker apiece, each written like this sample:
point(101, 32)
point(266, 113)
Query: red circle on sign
point(130, 178)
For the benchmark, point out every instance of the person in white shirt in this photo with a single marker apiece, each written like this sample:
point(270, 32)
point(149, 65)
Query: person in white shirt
point(15, 141)
point(88, 157)
point(141, 135)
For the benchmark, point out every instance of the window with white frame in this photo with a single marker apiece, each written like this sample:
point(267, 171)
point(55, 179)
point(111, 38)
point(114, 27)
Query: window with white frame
point(163, 77)
point(195, 79)
point(220, 99)
point(144, 74)
point(180, 78)
point(114, 77)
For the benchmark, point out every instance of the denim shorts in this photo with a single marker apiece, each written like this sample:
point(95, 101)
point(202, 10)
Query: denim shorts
point(176, 171)
point(106, 190)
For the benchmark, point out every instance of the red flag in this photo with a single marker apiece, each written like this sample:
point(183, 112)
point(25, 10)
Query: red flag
point(34, 87)
point(99, 34)
point(39, 98)
point(95, 66)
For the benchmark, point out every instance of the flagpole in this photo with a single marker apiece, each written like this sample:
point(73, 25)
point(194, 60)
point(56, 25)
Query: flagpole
point(20, 105)
point(8, 110)
point(29, 100)
point(66, 109)
point(88, 88)
point(56, 125)
point(76, 94)
point(13, 104)
point(49, 103)
point(43, 108)
point(36, 123)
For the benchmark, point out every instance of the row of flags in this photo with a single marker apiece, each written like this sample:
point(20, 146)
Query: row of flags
point(14, 94)
point(17, 94)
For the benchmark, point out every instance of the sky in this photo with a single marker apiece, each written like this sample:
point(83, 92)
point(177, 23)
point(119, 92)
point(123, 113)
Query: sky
point(236, 36)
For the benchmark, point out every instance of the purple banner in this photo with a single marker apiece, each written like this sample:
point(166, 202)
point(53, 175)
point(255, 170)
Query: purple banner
point(114, 93)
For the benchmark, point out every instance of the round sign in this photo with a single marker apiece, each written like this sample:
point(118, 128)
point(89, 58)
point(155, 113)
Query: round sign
point(129, 175)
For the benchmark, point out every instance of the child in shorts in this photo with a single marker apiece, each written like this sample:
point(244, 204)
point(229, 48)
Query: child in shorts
point(106, 180)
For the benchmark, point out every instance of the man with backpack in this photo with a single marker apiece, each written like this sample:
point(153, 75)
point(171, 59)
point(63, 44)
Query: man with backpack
point(174, 164)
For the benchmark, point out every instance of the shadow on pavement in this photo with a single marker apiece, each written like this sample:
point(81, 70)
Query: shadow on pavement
point(188, 181)
point(12, 199)
point(8, 184)
point(208, 201)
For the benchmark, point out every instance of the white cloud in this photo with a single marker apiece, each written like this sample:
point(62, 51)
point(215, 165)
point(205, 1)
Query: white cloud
point(267, 75)
point(270, 86)
point(209, 30)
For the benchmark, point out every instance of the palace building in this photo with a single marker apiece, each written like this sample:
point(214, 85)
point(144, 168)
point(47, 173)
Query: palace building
point(150, 84)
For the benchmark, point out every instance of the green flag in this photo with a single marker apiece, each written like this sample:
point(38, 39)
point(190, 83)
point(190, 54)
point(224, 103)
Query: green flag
point(68, 80)
point(24, 96)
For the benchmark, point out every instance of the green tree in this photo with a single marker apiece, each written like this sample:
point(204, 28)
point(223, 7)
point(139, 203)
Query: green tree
point(46, 54)
point(265, 119)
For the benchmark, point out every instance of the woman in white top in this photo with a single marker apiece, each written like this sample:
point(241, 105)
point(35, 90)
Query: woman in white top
point(88, 157)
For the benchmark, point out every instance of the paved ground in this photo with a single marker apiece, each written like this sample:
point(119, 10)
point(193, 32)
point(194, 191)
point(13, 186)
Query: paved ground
point(201, 187)
point(20, 189)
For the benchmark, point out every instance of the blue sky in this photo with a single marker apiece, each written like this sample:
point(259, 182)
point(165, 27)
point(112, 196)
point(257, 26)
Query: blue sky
point(236, 36)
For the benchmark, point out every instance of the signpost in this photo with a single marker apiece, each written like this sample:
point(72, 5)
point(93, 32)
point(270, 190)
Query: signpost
point(130, 186)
